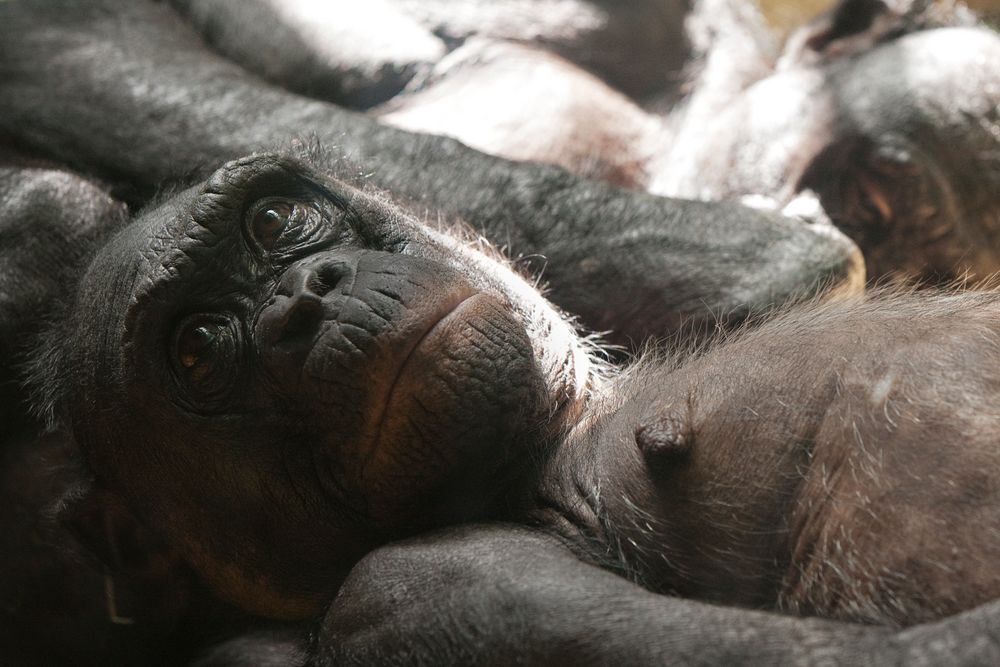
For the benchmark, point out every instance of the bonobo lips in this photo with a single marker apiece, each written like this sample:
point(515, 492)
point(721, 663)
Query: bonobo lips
point(467, 394)
point(436, 325)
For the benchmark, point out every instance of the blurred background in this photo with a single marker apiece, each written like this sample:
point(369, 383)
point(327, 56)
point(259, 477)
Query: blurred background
point(786, 14)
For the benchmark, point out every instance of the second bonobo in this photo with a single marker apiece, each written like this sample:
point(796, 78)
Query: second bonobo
point(280, 373)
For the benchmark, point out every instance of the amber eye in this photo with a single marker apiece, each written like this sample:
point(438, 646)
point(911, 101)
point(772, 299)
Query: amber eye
point(196, 342)
point(280, 228)
point(205, 354)
point(269, 219)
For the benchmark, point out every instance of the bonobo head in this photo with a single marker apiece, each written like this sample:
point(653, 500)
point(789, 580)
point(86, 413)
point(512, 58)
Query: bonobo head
point(911, 167)
point(280, 371)
point(900, 141)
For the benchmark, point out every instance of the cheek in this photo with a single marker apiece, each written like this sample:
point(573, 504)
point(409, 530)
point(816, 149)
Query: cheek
point(260, 533)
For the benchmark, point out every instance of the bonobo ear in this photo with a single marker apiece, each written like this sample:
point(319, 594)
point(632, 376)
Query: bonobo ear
point(134, 559)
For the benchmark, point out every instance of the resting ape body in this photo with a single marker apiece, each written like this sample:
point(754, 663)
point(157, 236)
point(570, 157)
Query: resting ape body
point(144, 102)
point(280, 373)
point(904, 164)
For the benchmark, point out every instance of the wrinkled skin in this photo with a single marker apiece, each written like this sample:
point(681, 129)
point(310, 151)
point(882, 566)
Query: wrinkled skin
point(349, 364)
point(648, 265)
point(279, 373)
point(760, 631)
point(837, 461)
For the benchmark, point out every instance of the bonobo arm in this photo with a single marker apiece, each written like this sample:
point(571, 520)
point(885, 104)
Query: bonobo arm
point(50, 220)
point(275, 647)
point(356, 54)
point(497, 595)
point(142, 100)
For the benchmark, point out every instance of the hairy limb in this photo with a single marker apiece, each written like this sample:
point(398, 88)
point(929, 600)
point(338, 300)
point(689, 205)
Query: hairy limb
point(143, 101)
point(506, 595)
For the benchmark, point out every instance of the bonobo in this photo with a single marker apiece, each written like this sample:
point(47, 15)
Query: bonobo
point(280, 372)
point(384, 369)
point(174, 107)
point(889, 119)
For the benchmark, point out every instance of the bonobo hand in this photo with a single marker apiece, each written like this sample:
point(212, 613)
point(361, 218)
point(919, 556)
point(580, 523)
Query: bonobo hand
point(506, 595)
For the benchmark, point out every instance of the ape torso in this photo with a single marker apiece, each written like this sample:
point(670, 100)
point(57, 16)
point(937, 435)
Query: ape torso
point(840, 460)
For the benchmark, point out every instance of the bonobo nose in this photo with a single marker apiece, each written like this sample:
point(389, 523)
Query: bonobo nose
point(297, 308)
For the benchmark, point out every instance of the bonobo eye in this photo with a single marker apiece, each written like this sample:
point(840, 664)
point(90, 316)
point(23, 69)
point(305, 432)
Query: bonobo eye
point(269, 220)
point(873, 199)
point(274, 222)
point(204, 352)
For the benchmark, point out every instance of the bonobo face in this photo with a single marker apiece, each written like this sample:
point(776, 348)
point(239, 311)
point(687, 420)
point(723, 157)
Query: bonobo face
point(912, 170)
point(901, 143)
point(280, 371)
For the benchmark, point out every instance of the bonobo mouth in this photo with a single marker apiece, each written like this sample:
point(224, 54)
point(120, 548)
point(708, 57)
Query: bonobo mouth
point(463, 395)
point(437, 326)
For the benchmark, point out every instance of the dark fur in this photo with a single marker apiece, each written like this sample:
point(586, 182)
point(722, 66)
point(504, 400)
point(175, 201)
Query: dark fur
point(50, 222)
point(647, 263)
point(497, 594)
point(740, 515)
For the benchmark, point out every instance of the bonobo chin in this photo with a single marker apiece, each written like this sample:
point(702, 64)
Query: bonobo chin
point(280, 372)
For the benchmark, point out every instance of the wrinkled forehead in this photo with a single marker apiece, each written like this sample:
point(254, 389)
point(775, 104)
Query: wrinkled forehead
point(137, 254)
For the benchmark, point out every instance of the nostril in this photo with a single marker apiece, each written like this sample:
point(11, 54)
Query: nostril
point(287, 319)
point(297, 310)
point(326, 277)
